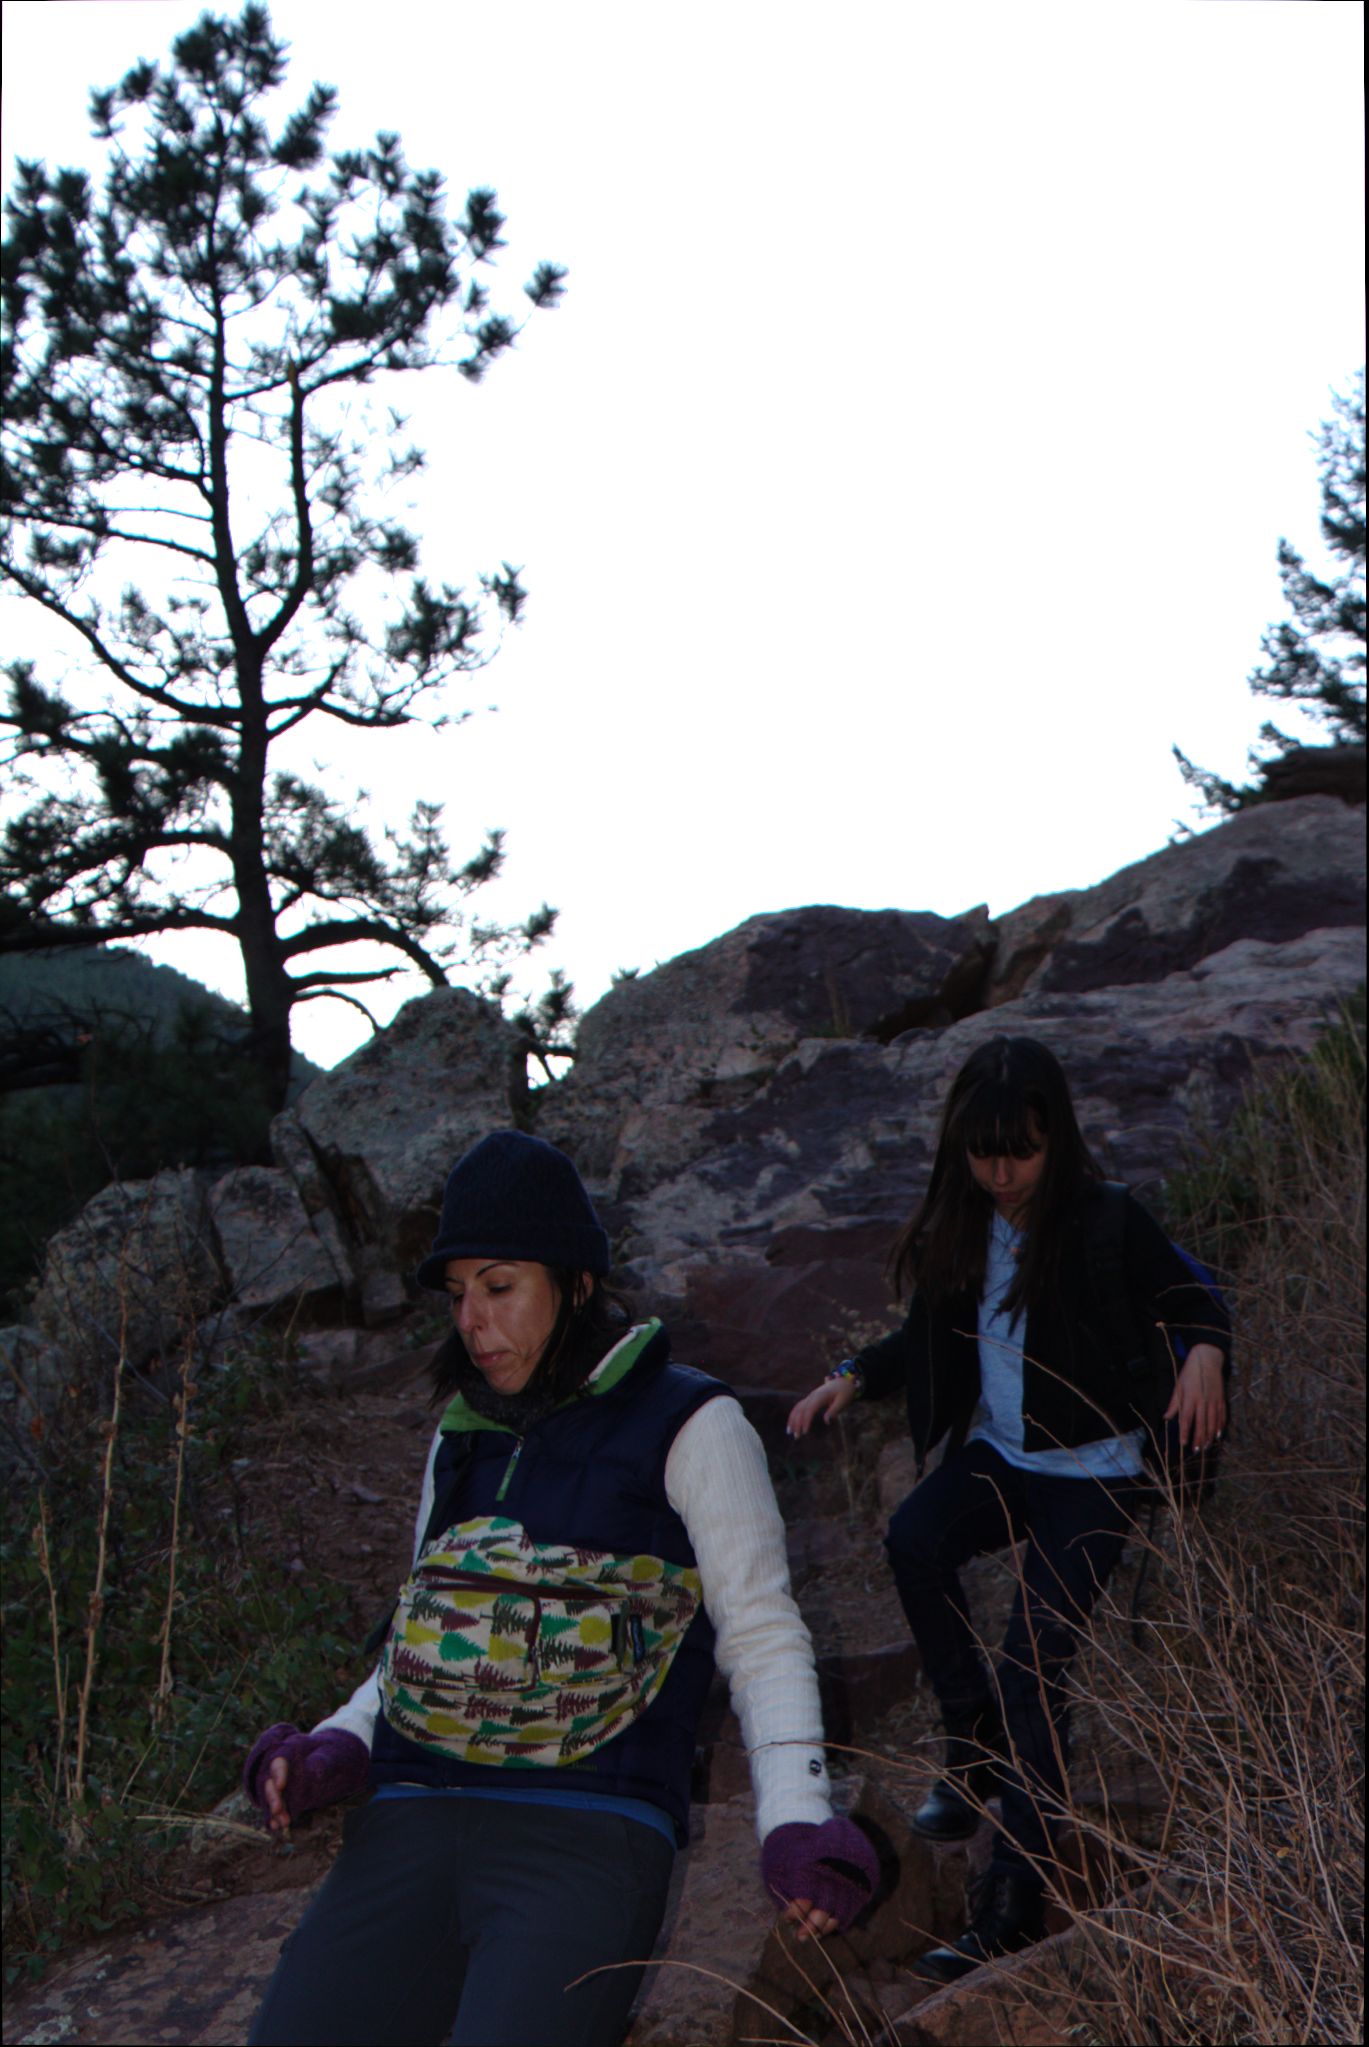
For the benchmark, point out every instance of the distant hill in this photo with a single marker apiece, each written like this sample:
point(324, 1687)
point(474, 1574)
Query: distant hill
point(110, 981)
point(105, 978)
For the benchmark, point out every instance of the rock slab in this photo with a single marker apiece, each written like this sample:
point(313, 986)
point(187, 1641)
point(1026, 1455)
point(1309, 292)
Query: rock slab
point(131, 1273)
point(274, 1261)
point(661, 1053)
point(385, 1127)
point(1274, 873)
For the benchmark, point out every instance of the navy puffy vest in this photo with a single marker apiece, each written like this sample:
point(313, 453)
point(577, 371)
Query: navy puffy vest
point(591, 1474)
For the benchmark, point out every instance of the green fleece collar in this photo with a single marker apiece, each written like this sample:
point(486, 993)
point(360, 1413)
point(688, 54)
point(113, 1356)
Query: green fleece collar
point(615, 1364)
point(460, 1417)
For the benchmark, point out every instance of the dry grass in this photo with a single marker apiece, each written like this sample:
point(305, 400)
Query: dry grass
point(1231, 1910)
point(1246, 1699)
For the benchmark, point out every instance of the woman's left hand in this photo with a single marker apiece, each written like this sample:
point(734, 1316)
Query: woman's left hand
point(1199, 1400)
point(804, 1861)
point(812, 1924)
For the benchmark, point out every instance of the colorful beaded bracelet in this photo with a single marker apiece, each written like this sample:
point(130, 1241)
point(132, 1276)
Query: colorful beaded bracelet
point(849, 1369)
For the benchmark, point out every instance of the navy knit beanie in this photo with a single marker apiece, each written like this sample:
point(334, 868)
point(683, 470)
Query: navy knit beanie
point(514, 1196)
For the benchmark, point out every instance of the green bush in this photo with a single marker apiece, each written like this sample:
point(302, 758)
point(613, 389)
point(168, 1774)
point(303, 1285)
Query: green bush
point(1305, 1124)
point(89, 1798)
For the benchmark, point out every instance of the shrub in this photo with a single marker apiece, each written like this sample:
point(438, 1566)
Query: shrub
point(143, 1646)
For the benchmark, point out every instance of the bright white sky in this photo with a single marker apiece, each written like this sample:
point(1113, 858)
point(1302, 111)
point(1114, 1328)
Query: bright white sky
point(904, 470)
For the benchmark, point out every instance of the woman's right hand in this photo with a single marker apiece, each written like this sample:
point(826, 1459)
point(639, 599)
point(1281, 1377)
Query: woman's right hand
point(273, 1796)
point(289, 1773)
point(830, 1399)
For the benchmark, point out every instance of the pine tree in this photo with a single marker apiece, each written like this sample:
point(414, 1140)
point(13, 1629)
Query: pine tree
point(1314, 658)
point(193, 485)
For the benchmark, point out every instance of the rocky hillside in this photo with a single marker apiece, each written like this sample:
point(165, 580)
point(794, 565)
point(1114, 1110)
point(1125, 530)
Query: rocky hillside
point(755, 1118)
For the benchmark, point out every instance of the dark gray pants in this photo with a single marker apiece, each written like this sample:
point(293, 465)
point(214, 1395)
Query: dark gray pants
point(1075, 1531)
point(465, 1920)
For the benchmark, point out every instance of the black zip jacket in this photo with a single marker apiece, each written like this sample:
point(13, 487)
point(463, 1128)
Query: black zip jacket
point(1076, 1386)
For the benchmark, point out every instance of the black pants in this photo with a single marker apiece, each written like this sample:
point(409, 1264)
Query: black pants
point(465, 1920)
point(1075, 1529)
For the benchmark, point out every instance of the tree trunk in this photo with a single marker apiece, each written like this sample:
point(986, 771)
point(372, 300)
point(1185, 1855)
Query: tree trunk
point(268, 1001)
point(268, 981)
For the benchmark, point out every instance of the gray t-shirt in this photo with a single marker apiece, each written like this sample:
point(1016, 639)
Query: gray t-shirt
point(997, 1419)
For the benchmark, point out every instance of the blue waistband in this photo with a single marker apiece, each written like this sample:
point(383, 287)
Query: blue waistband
point(638, 1809)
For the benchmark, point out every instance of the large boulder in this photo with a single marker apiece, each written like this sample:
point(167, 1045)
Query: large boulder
point(771, 1317)
point(377, 1136)
point(661, 1054)
point(133, 1271)
point(774, 1237)
point(1272, 872)
point(273, 1261)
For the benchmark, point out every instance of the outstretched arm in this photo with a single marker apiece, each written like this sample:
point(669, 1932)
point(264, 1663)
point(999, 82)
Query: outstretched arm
point(888, 1366)
point(717, 1482)
point(826, 1402)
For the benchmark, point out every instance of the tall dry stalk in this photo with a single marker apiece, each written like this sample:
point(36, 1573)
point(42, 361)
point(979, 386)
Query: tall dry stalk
point(95, 1605)
point(42, 1545)
point(161, 1698)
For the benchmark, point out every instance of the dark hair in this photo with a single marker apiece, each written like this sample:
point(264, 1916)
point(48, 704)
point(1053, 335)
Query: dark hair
point(588, 1323)
point(1009, 1098)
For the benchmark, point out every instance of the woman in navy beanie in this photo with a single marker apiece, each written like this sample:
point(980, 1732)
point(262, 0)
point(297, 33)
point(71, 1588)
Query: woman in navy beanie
point(596, 1528)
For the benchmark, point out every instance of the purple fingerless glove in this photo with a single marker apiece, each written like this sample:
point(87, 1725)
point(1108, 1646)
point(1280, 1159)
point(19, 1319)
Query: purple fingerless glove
point(323, 1767)
point(832, 1865)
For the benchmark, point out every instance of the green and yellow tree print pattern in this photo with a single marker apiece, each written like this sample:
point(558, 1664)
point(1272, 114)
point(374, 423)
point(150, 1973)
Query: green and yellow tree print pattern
point(511, 1652)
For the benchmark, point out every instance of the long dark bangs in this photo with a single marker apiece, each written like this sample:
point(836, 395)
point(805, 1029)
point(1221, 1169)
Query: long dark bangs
point(1008, 1099)
point(996, 1120)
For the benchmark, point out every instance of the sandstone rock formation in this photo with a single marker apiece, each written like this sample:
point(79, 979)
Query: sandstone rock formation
point(375, 1137)
point(271, 1256)
point(132, 1272)
point(841, 1138)
point(1273, 873)
point(756, 1116)
point(761, 1220)
point(660, 1055)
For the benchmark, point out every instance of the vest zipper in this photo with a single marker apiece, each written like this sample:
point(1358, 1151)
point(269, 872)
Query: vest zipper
point(509, 1469)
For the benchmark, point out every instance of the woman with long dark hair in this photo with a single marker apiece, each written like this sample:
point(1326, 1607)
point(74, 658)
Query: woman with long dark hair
point(1014, 1352)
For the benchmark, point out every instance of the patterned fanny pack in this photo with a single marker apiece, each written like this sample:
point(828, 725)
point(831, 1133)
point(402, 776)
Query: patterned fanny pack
point(507, 1651)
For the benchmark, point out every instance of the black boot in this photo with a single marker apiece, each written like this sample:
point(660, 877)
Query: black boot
point(1007, 1914)
point(953, 1807)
